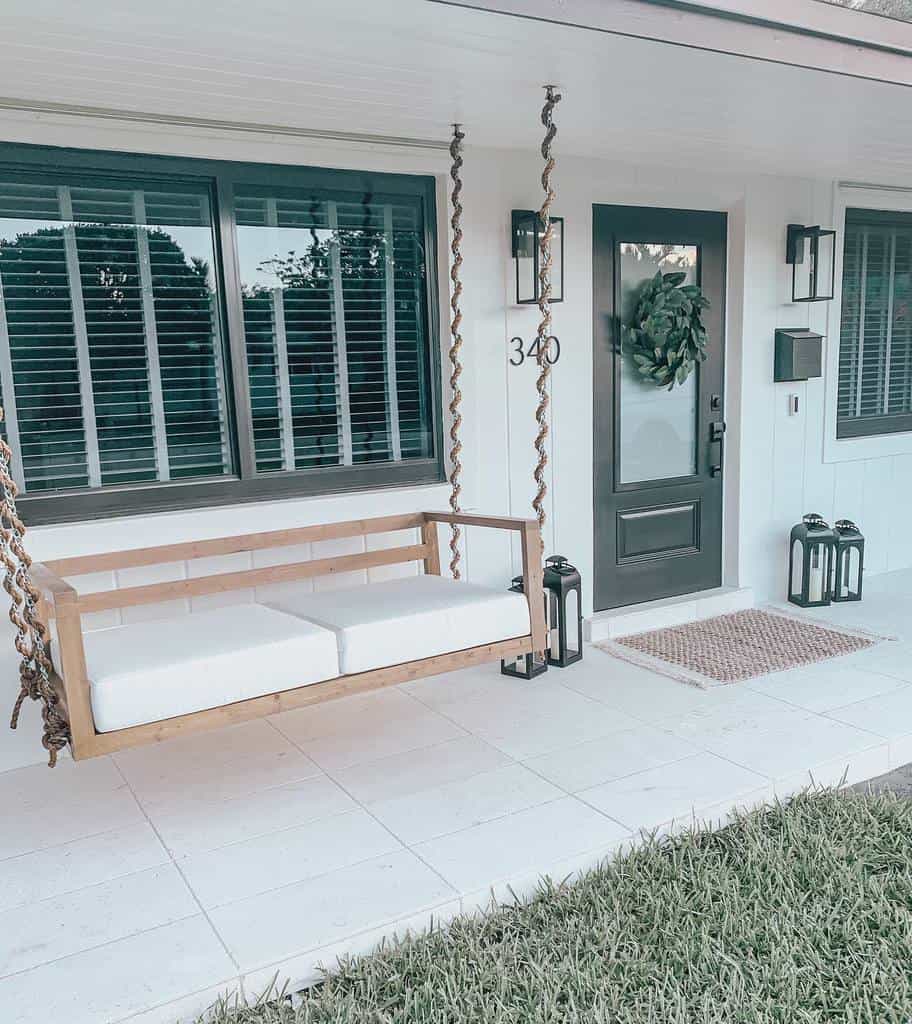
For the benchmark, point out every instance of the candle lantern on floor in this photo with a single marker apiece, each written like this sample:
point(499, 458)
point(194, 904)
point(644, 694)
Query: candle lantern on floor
point(565, 621)
point(848, 561)
point(526, 666)
point(811, 558)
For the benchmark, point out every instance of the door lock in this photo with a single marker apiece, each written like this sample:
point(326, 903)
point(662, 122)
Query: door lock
point(716, 435)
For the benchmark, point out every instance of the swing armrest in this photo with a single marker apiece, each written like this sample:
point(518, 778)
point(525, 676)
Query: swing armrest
point(60, 600)
point(514, 523)
point(52, 586)
point(530, 540)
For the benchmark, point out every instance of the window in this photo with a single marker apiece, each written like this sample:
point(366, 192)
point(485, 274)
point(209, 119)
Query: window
point(333, 321)
point(180, 333)
point(875, 342)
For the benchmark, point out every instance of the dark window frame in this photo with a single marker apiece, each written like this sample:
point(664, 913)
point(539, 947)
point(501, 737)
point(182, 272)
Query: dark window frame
point(888, 423)
point(220, 176)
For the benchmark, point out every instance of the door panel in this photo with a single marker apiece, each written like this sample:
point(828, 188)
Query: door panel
point(648, 532)
point(658, 485)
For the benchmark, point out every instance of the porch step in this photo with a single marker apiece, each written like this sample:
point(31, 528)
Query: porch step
point(670, 611)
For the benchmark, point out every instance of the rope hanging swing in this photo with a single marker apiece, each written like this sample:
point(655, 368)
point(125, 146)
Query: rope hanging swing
point(35, 668)
point(455, 345)
point(543, 344)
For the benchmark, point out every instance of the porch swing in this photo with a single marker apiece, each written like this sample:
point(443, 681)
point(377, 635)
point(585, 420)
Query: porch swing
point(107, 690)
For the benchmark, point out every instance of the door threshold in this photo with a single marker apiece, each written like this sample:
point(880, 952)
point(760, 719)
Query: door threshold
point(669, 611)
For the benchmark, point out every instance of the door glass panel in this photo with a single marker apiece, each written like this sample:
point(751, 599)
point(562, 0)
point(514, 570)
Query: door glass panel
point(657, 428)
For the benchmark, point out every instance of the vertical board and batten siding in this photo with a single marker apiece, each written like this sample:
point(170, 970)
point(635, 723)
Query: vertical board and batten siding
point(776, 472)
point(783, 466)
point(779, 471)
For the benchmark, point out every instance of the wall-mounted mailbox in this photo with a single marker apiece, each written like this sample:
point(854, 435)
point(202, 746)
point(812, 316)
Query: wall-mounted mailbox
point(798, 354)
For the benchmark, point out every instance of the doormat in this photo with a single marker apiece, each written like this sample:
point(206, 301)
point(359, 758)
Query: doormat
point(738, 646)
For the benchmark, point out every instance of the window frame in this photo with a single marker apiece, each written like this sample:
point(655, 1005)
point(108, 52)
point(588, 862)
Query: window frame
point(886, 423)
point(862, 442)
point(243, 485)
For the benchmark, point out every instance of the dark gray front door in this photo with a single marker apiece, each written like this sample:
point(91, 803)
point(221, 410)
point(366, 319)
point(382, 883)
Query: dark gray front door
point(658, 454)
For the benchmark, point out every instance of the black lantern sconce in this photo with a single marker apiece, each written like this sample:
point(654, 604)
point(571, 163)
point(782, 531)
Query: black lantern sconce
point(848, 563)
point(811, 252)
point(811, 558)
point(526, 227)
point(526, 666)
point(565, 597)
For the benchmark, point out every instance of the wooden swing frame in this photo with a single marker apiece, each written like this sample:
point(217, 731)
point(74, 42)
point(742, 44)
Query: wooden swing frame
point(61, 602)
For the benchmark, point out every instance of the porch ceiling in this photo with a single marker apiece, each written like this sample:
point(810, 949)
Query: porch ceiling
point(409, 67)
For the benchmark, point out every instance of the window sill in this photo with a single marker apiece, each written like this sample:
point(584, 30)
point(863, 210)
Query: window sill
point(86, 506)
point(872, 446)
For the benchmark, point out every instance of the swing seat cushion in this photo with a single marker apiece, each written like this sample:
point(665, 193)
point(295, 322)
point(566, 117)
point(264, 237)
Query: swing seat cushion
point(382, 624)
point(148, 671)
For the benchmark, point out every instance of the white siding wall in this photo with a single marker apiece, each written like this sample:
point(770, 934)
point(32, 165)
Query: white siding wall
point(775, 462)
point(775, 466)
point(783, 470)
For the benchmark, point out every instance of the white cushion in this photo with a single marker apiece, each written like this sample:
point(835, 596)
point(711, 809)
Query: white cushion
point(400, 620)
point(153, 670)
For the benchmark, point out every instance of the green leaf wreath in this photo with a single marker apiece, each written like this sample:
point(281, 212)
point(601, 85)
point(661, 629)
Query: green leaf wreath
point(666, 336)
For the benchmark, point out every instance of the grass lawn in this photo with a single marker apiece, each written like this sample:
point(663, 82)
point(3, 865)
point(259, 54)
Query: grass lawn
point(794, 913)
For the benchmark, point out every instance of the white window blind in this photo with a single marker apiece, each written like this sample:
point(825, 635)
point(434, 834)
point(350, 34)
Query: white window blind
point(875, 344)
point(333, 291)
point(111, 363)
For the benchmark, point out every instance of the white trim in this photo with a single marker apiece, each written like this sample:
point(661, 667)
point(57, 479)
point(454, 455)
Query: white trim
point(218, 360)
point(850, 449)
point(280, 345)
point(81, 335)
point(392, 384)
point(862, 316)
point(280, 351)
point(888, 346)
point(341, 346)
point(153, 365)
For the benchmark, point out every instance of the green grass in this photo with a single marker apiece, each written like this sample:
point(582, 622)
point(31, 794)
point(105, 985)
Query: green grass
point(794, 913)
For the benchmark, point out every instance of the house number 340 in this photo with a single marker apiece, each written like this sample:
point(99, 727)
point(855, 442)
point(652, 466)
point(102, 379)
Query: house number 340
point(520, 353)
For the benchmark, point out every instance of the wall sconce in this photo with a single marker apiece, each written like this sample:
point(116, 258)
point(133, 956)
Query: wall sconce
point(811, 251)
point(526, 237)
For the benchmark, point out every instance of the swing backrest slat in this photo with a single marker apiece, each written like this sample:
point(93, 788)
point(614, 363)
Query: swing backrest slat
point(248, 578)
point(217, 583)
point(132, 558)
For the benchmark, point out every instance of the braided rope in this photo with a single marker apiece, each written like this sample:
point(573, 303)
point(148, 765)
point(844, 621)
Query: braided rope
point(455, 345)
point(27, 675)
point(543, 345)
point(32, 641)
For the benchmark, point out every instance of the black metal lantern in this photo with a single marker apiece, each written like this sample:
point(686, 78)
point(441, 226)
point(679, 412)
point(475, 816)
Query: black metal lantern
point(811, 252)
point(848, 562)
point(526, 247)
point(525, 666)
point(565, 621)
point(811, 557)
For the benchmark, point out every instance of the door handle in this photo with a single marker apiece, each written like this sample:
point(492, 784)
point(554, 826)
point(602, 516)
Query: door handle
point(716, 436)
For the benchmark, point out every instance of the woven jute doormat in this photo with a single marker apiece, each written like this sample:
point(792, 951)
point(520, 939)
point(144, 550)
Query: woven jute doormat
point(738, 646)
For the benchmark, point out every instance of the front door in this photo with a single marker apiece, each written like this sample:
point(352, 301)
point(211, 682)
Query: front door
point(658, 453)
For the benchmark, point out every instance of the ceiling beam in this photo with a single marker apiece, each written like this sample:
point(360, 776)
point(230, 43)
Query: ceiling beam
point(799, 33)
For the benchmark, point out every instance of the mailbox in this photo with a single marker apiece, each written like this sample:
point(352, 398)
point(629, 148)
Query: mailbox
point(798, 354)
